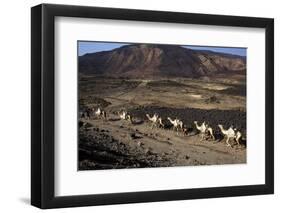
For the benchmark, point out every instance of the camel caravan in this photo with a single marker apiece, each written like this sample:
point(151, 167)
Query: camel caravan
point(88, 113)
point(205, 130)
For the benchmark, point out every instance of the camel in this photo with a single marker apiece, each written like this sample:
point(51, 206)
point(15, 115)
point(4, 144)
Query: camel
point(209, 130)
point(176, 124)
point(159, 121)
point(202, 129)
point(238, 136)
point(100, 113)
point(185, 131)
point(153, 119)
point(180, 123)
point(230, 133)
point(123, 115)
point(103, 113)
point(129, 118)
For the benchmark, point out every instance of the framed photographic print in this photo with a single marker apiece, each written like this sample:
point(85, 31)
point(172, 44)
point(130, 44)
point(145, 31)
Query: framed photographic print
point(139, 106)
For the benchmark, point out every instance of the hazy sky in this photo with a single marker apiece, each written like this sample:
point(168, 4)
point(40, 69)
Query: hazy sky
point(91, 47)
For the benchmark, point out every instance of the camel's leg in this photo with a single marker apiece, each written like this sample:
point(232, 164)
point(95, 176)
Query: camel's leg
point(213, 137)
point(183, 132)
point(202, 137)
point(238, 142)
point(155, 125)
point(205, 137)
point(227, 143)
point(180, 129)
point(208, 136)
point(211, 134)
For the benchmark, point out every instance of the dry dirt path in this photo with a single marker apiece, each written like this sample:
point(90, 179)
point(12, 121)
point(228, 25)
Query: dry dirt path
point(180, 149)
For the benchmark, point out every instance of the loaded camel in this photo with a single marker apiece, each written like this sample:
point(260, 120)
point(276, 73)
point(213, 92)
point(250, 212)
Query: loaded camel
point(209, 130)
point(230, 134)
point(177, 124)
point(156, 120)
point(153, 119)
point(202, 129)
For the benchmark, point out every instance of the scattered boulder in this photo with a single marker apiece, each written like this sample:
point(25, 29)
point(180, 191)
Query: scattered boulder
point(135, 136)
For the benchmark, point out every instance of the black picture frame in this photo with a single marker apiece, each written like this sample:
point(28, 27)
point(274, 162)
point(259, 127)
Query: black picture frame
point(43, 117)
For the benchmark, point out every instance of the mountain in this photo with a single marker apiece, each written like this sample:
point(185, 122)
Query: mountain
point(155, 60)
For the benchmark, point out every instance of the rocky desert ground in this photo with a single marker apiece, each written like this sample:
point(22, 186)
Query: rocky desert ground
point(115, 143)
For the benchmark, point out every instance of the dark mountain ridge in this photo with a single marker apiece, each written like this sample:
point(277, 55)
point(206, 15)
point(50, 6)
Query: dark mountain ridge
point(156, 60)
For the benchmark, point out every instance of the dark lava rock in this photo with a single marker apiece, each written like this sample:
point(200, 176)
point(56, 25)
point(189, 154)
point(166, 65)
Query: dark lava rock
point(135, 136)
point(212, 99)
point(213, 117)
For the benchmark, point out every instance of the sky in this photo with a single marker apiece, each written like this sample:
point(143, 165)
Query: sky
point(92, 47)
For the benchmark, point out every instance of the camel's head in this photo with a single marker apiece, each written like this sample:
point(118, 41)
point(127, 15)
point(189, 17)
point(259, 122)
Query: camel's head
point(220, 126)
point(195, 122)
